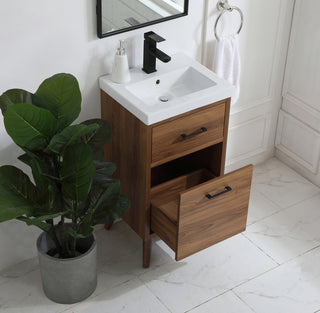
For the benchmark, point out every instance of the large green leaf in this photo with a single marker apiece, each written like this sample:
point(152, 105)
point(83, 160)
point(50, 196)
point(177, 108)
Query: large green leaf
point(98, 155)
point(14, 96)
point(49, 194)
point(102, 191)
point(100, 136)
point(42, 225)
point(40, 221)
point(17, 194)
point(42, 218)
point(37, 161)
point(29, 155)
point(104, 200)
point(25, 158)
point(69, 135)
point(117, 211)
point(41, 165)
point(75, 234)
point(85, 228)
point(103, 170)
point(37, 166)
point(78, 167)
point(29, 126)
point(43, 168)
point(60, 94)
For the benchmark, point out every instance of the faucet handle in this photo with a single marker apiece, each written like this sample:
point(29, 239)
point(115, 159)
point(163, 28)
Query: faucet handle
point(153, 37)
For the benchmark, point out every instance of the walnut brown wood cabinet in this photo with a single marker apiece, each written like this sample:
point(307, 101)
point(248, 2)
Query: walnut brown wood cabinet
point(173, 174)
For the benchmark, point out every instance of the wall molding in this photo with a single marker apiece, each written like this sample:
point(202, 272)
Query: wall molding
point(298, 133)
point(258, 103)
point(289, 95)
point(292, 41)
point(301, 110)
point(312, 166)
point(283, 11)
point(265, 122)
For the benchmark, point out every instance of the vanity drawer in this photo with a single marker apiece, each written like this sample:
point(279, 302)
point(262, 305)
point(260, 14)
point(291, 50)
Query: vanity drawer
point(195, 211)
point(187, 134)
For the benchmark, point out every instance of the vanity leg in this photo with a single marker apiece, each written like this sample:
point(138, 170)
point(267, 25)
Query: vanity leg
point(108, 226)
point(147, 242)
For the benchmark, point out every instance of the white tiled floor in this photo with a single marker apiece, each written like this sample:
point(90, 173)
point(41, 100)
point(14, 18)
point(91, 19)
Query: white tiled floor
point(273, 267)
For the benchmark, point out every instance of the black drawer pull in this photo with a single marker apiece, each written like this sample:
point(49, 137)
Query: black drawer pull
point(227, 189)
point(203, 130)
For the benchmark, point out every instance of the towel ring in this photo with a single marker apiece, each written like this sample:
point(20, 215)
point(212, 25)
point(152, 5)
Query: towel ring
point(224, 10)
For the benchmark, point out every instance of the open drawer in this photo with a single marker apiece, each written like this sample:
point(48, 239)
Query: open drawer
point(195, 211)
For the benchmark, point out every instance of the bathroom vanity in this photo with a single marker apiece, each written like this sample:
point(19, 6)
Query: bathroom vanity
point(170, 157)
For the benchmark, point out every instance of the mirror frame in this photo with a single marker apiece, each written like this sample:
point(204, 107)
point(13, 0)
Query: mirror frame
point(126, 29)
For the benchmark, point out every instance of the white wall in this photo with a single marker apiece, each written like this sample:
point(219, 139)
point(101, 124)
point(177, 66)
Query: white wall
point(41, 38)
point(298, 136)
point(263, 44)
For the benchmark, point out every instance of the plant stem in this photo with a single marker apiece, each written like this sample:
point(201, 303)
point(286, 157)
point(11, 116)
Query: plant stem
point(65, 253)
point(73, 242)
point(73, 247)
point(52, 234)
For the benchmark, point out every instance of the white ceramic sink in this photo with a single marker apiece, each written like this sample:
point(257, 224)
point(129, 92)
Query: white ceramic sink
point(170, 86)
point(177, 87)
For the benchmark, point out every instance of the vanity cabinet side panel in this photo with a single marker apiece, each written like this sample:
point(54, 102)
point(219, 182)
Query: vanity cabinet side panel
point(130, 149)
point(218, 158)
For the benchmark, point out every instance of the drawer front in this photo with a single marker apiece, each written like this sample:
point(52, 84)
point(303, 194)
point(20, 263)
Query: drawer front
point(187, 134)
point(203, 222)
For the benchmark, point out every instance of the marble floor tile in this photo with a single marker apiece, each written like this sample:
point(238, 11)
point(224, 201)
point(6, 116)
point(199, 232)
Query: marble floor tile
point(130, 297)
point(126, 255)
point(226, 303)
point(116, 243)
point(290, 232)
point(18, 242)
point(267, 166)
point(292, 287)
point(282, 185)
point(107, 281)
point(20, 269)
point(3, 280)
point(260, 207)
point(25, 295)
point(207, 274)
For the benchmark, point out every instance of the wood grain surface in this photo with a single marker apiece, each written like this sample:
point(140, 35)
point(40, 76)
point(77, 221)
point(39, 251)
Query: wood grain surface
point(129, 149)
point(203, 222)
point(168, 144)
point(196, 221)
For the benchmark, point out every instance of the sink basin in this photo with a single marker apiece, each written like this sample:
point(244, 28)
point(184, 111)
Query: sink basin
point(177, 87)
point(170, 86)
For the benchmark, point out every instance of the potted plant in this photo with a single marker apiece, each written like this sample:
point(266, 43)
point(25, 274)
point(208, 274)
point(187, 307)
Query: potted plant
point(72, 189)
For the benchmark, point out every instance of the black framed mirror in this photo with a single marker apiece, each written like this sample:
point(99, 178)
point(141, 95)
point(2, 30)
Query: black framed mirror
point(118, 16)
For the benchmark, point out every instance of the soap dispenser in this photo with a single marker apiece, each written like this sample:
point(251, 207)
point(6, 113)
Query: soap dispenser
point(120, 68)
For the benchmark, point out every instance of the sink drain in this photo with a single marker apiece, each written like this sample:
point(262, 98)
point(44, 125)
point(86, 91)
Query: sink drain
point(164, 99)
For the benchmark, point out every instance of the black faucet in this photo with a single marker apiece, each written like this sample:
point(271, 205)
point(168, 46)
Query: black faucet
point(151, 52)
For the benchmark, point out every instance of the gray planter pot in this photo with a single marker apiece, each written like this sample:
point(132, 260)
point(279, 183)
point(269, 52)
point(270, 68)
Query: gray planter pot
point(71, 280)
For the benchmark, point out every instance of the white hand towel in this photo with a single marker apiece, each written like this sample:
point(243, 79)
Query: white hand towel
point(226, 62)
